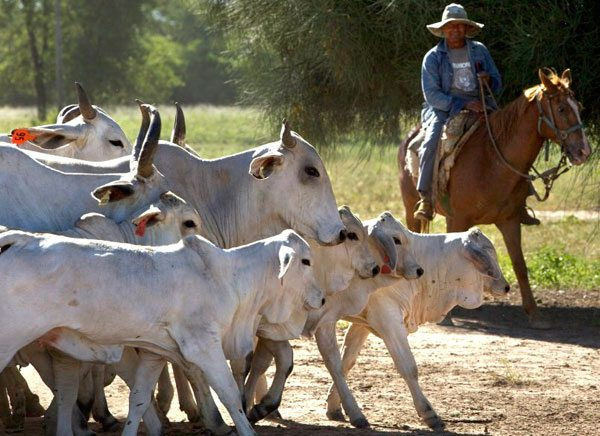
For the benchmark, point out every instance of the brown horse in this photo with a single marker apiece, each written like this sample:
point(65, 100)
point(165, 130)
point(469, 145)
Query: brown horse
point(484, 189)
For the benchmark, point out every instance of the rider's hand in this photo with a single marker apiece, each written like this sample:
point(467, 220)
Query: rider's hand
point(474, 106)
point(485, 77)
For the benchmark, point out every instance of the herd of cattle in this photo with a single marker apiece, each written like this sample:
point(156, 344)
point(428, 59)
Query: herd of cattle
point(116, 259)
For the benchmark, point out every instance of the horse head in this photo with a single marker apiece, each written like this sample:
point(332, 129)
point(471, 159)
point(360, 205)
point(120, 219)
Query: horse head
point(559, 118)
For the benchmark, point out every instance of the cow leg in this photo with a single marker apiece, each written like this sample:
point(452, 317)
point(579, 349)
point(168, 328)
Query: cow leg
point(395, 336)
point(261, 360)
point(511, 232)
point(66, 386)
point(146, 376)
point(185, 395)
point(14, 421)
point(355, 337)
point(266, 349)
point(208, 356)
point(165, 392)
point(328, 347)
point(126, 369)
point(210, 418)
point(100, 409)
point(33, 408)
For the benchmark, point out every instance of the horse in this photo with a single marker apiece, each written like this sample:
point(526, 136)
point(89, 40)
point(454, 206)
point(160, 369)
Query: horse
point(489, 182)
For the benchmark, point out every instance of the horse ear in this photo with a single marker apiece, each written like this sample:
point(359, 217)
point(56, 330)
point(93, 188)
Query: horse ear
point(546, 81)
point(566, 78)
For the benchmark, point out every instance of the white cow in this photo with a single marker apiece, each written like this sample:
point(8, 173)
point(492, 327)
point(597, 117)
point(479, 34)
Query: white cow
point(191, 302)
point(165, 222)
point(82, 131)
point(248, 195)
point(459, 269)
point(35, 197)
point(385, 241)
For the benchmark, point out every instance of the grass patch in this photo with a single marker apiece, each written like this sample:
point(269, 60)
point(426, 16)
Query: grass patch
point(509, 376)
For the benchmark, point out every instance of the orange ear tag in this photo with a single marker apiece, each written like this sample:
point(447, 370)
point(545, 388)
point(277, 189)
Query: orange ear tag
point(19, 136)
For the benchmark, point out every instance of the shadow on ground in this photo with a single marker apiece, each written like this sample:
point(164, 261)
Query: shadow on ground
point(570, 325)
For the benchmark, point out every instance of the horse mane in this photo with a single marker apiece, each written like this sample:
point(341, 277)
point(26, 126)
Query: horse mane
point(503, 121)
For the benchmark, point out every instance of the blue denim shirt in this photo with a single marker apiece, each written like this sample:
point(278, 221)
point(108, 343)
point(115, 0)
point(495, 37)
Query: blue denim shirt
point(436, 79)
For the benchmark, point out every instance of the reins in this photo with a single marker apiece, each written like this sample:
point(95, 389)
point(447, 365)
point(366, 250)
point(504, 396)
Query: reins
point(549, 176)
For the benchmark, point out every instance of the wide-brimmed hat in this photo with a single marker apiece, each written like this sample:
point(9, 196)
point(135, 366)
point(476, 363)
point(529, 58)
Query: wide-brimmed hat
point(455, 13)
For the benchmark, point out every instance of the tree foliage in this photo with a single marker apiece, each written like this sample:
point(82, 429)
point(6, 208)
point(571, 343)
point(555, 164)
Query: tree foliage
point(334, 65)
point(119, 50)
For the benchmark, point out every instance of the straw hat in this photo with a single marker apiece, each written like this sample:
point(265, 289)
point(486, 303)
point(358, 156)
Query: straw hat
point(455, 13)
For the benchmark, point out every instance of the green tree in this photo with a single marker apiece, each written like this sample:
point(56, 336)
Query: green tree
point(336, 65)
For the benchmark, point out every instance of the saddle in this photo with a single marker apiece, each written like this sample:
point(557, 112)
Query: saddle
point(456, 131)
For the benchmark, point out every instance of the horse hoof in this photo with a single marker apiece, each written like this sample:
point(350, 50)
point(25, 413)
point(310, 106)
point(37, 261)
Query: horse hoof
point(336, 415)
point(360, 422)
point(538, 321)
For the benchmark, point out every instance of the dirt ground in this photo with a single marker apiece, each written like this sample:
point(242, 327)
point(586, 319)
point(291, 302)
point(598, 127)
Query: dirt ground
point(489, 374)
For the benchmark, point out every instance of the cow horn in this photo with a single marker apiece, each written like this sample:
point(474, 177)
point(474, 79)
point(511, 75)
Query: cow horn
point(388, 245)
point(178, 133)
point(286, 135)
point(150, 145)
point(143, 130)
point(85, 107)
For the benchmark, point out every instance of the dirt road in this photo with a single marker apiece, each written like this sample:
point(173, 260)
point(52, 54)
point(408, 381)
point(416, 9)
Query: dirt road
point(488, 375)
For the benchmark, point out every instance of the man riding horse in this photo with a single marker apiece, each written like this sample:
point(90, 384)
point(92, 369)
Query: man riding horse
point(450, 77)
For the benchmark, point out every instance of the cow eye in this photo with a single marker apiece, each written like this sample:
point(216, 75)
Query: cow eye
point(116, 143)
point(312, 171)
point(397, 241)
point(352, 236)
point(306, 262)
point(189, 224)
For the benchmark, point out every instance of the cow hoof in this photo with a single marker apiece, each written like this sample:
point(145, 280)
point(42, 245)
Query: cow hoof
point(435, 423)
point(360, 422)
point(336, 415)
point(33, 408)
point(447, 321)
point(538, 321)
point(110, 424)
point(274, 415)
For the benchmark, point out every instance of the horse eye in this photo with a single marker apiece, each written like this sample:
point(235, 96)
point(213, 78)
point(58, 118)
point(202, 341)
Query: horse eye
point(397, 241)
point(116, 143)
point(306, 262)
point(312, 171)
point(561, 108)
point(352, 236)
point(189, 224)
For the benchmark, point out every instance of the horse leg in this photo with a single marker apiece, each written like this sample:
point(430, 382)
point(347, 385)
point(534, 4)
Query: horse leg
point(511, 232)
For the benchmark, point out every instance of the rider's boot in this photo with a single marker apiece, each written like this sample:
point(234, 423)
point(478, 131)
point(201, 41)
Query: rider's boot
point(527, 219)
point(425, 207)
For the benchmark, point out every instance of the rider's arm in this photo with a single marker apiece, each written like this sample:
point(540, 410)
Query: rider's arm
point(482, 55)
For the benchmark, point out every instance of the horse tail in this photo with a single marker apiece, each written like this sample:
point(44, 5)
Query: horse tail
point(404, 144)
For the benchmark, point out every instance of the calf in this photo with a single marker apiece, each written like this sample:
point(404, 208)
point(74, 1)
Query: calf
point(191, 302)
point(459, 269)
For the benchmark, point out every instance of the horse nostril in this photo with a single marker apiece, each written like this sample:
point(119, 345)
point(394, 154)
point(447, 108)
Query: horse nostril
point(420, 271)
point(343, 234)
point(323, 302)
point(507, 288)
point(375, 270)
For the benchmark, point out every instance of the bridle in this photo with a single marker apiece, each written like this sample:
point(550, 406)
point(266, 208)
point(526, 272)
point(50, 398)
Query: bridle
point(549, 176)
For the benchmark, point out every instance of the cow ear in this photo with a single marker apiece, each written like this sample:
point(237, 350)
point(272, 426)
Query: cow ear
point(473, 245)
point(263, 166)
point(113, 191)
point(286, 256)
point(52, 137)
